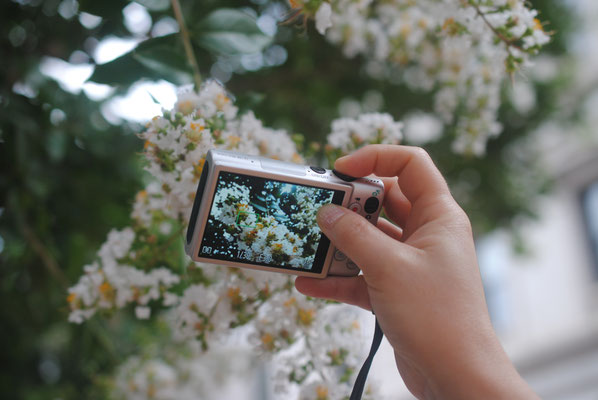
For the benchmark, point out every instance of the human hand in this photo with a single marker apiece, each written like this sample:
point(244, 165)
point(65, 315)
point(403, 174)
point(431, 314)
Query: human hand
point(421, 278)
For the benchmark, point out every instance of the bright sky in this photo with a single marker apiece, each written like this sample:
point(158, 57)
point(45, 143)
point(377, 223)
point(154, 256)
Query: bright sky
point(137, 105)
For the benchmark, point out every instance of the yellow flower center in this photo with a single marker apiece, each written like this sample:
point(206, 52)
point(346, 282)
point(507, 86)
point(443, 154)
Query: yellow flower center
point(233, 141)
point(185, 106)
point(196, 126)
point(221, 101)
point(322, 393)
point(296, 158)
point(290, 302)
point(306, 316)
point(105, 288)
point(198, 167)
point(538, 25)
point(268, 341)
point(234, 294)
point(107, 291)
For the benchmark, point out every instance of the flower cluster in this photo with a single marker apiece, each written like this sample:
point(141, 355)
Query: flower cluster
point(176, 145)
point(184, 373)
point(461, 49)
point(142, 264)
point(110, 283)
point(348, 134)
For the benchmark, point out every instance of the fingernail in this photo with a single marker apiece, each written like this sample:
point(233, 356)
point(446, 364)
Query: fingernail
point(341, 158)
point(329, 214)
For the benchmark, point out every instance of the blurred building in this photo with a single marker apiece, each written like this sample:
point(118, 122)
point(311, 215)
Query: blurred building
point(544, 302)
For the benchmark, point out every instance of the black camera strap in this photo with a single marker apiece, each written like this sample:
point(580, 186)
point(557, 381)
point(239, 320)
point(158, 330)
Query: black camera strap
point(363, 373)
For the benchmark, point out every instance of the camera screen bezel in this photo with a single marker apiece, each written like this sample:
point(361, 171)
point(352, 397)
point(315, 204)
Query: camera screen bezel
point(323, 257)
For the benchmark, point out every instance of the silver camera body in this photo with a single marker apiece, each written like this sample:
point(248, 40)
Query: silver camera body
point(259, 213)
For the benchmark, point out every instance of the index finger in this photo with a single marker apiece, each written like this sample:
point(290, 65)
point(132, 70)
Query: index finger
point(419, 179)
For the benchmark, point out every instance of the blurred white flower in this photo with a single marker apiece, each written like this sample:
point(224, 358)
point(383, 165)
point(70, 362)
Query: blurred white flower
point(523, 97)
point(323, 15)
point(445, 46)
point(349, 134)
point(421, 128)
point(142, 312)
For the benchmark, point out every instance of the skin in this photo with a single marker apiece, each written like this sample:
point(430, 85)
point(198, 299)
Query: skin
point(421, 277)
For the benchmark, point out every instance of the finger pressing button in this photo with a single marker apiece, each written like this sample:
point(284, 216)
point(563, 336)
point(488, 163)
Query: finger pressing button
point(344, 177)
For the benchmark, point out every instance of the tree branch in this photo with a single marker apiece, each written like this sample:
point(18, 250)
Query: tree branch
point(176, 7)
point(42, 252)
point(507, 41)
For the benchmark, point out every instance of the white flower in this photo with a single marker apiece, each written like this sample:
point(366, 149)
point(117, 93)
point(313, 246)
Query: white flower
point(523, 96)
point(323, 16)
point(440, 45)
point(349, 134)
point(79, 316)
point(142, 312)
point(421, 128)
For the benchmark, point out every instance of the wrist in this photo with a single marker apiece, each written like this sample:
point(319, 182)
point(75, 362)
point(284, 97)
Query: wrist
point(489, 374)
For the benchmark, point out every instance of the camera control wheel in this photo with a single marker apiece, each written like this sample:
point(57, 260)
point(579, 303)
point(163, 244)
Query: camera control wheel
point(371, 205)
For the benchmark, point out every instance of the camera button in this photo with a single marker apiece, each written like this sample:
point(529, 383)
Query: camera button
point(339, 256)
point(318, 170)
point(352, 265)
point(355, 207)
point(344, 177)
point(371, 205)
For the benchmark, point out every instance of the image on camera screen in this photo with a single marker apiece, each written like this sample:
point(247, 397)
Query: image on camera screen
point(267, 222)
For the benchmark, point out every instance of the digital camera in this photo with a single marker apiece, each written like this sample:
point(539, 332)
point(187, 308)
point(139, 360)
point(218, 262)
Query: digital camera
point(259, 213)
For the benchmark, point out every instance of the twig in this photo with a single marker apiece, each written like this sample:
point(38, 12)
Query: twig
point(42, 252)
point(157, 251)
point(176, 7)
point(507, 41)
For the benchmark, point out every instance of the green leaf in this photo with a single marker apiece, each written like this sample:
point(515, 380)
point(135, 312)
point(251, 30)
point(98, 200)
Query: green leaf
point(167, 63)
point(157, 58)
point(154, 5)
point(56, 145)
point(230, 31)
point(104, 9)
point(123, 70)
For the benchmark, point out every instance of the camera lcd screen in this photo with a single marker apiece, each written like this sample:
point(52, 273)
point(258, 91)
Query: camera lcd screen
point(267, 222)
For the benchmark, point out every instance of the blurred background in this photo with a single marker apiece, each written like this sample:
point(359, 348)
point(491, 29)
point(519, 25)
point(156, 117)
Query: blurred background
point(70, 167)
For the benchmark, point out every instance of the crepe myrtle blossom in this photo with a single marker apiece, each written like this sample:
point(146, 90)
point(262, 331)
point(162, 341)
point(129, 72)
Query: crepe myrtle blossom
point(109, 283)
point(181, 372)
point(349, 134)
point(322, 359)
point(461, 49)
point(140, 267)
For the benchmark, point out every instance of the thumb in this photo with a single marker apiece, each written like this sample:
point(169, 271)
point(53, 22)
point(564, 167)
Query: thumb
point(370, 248)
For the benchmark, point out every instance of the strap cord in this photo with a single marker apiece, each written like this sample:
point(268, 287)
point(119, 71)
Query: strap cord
point(365, 368)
